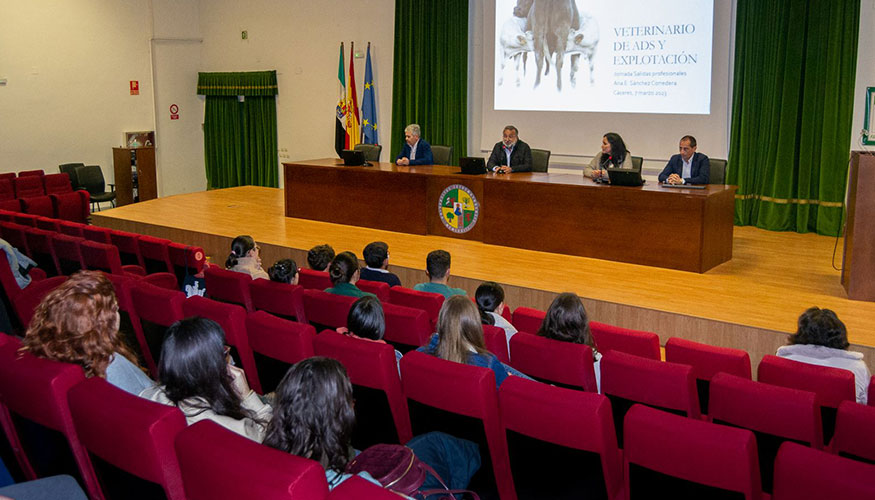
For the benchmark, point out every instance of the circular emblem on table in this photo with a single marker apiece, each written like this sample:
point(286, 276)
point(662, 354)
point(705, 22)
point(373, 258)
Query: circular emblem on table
point(458, 208)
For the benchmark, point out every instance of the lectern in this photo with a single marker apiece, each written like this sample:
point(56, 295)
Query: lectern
point(126, 162)
point(858, 263)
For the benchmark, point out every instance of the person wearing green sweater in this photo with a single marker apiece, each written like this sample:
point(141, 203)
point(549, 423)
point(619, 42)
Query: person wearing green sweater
point(344, 273)
point(437, 267)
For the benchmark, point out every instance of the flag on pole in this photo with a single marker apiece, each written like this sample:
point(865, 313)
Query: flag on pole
point(353, 133)
point(340, 138)
point(369, 106)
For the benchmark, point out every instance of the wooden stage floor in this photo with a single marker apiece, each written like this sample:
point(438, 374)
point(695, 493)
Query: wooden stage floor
point(750, 302)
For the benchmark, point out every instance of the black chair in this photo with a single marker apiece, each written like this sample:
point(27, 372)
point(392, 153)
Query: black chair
point(371, 151)
point(540, 160)
point(91, 179)
point(70, 170)
point(637, 162)
point(442, 154)
point(717, 171)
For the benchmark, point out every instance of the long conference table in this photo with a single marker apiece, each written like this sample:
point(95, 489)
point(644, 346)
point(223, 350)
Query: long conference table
point(676, 228)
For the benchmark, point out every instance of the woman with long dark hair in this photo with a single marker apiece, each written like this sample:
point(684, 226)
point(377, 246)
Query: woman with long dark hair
point(78, 323)
point(245, 257)
point(613, 154)
point(196, 377)
point(344, 273)
point(490, 302)
point(566, 321)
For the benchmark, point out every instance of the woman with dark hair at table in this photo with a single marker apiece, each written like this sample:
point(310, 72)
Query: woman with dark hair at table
point(613, 154)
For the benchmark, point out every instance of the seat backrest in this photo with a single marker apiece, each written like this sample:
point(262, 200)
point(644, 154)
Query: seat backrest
point(39, 242)
point(48, 224)
point(91, 179)
point(442, 154)
point(32, 173)
point(325, 309)
point(38, 205)
point(7, 189)
point(802, 473)
point(373, 371)
point(662, 444)
point(540, 160)
point(70, 170)
point(57, 183)
point(186, 259)
point(496, 342)
point(372, 151)
point(429, 302)
point(277, 344)
point(101, 257)
point(460, 390)
point(16, 235)
point(29, 186)
point(133, 438)
point(553, 415)
point(406, 327)
point(553, 361)
point(717, 172)
point(71, 206)
point(614, 338)
point(854, 436)
point(317, 280)
point(256, 471)
point(156, 254)
point(228, 286)
point(40, 426)
point(232, 319)
point(528, 320)
point(832, 385)
point(68, 252)
point(775, 414)
point(637, 162)
point(707, 361)
point(155, 309)
point(128, 245)
point(627, 379)
point(72, 228)
point(378, 288)
point(97, 233)
point(279, 299)
point(25, 219)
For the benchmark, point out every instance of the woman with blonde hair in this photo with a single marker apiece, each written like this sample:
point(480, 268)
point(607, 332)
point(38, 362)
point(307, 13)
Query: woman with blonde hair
point(459, 338)
point(78, 323)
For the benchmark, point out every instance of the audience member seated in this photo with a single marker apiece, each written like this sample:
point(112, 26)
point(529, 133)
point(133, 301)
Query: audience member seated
point(19, 263)
point(613, 154)
point(245, 257)
point(367, 321)
point(319, 257)
point(376, 256)
point(314, 419)
point(822, 339)
point(459, 338)
point(284, 271)
point(78, 323)
point(437, 267)
point(196, 376)
point(344, 273)
point(566, 321)
point(490, 301)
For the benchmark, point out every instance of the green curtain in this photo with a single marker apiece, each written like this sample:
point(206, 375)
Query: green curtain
point(795, 64)
point(430, 77)
point(240, 133)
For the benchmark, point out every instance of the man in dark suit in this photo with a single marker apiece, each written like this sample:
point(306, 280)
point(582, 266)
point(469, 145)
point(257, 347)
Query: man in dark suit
point(415, 150)
point(688, 167)
point(511, 154)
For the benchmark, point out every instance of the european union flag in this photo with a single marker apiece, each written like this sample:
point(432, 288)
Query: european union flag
point(369, 105)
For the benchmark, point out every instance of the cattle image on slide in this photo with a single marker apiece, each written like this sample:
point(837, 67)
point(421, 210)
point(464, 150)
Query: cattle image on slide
point(550, 30)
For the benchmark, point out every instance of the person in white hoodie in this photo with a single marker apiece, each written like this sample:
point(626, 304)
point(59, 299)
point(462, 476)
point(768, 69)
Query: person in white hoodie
point(822, 339)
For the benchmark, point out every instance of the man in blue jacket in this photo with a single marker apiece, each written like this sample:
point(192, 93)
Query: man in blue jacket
point(688, 167)
point(415, 151)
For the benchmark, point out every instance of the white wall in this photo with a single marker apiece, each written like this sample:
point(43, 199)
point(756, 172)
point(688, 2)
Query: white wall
point(301, 39)
point(68, 67)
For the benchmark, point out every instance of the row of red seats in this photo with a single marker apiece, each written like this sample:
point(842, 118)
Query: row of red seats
point(146, 447)
point(45, 195)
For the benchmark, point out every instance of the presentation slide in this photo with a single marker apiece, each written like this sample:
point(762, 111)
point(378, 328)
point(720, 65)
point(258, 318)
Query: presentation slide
point(618, 56)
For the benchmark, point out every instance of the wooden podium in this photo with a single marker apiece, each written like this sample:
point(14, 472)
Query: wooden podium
point(147, 186)
point(858, 263)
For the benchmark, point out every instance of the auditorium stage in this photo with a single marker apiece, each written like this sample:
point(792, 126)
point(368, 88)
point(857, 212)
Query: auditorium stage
point(750, 302)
